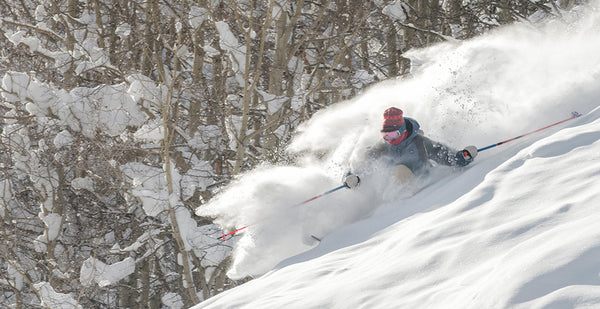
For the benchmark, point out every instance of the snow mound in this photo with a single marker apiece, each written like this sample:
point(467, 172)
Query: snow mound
point(515, 230)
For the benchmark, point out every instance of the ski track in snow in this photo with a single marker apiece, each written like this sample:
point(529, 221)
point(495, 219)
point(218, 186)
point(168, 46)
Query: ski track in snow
point(516, 229)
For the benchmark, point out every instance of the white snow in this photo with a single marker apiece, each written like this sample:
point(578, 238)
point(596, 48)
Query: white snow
point(83, 183)
point(397, 10)
point(172, 301)
point(235, 49)
point(197, 16)
point(142, 89)
point(52, 226)
point(516, 229)
point(151, 132)
point(94, 270)
point(149, 185)
point(16, 277)
point(54, 300)
point(52, 222)
point(62, 139)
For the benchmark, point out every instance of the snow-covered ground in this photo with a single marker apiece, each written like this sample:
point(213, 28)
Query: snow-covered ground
point(516, 229)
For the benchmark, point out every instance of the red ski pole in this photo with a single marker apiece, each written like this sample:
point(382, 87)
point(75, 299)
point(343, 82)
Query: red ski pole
point(310, 199)
point(573, 116)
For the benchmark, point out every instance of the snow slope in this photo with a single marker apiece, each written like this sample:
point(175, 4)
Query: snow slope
point(516, 229)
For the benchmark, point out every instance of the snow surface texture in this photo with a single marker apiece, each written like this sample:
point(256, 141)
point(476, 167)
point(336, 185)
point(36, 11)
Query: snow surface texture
point(516, 229)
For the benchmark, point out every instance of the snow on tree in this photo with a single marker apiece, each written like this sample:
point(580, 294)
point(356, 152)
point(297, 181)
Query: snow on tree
point(93, 270)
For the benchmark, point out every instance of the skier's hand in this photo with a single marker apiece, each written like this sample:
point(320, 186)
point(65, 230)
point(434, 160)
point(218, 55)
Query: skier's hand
point(351, 181)
point(469, 153)
point(466, 155)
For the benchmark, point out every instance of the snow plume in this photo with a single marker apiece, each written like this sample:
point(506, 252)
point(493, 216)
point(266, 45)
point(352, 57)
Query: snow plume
point(480, 91)
point(477, 92)
point(267, 201)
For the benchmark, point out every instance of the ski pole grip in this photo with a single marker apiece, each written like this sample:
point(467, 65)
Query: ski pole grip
point(351, 181)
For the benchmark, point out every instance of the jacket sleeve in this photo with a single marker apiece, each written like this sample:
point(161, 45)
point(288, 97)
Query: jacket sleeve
point(376, 151)
point(442, 154)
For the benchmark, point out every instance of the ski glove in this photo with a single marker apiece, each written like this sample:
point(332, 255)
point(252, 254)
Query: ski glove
point(351, 181)
point(470, 152)
point(466, 155)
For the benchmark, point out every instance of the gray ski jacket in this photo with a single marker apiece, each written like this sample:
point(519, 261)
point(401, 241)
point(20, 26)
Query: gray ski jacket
point(417, 151)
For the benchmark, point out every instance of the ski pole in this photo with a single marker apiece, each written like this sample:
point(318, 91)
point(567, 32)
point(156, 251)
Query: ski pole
point(573, 116)
point(310, 199)
point(323, 194)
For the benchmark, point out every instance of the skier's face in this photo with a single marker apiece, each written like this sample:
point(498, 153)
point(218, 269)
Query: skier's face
point(390, 136)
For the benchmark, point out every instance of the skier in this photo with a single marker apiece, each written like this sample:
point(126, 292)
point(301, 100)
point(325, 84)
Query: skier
point(409, 151)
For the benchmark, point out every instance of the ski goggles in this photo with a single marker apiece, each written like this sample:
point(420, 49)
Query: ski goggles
point(390, 136)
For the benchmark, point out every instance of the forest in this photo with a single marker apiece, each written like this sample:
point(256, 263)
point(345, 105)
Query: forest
point(119, 118)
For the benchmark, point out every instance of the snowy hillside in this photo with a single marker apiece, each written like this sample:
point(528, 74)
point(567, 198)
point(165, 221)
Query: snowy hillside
point(516, 229)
